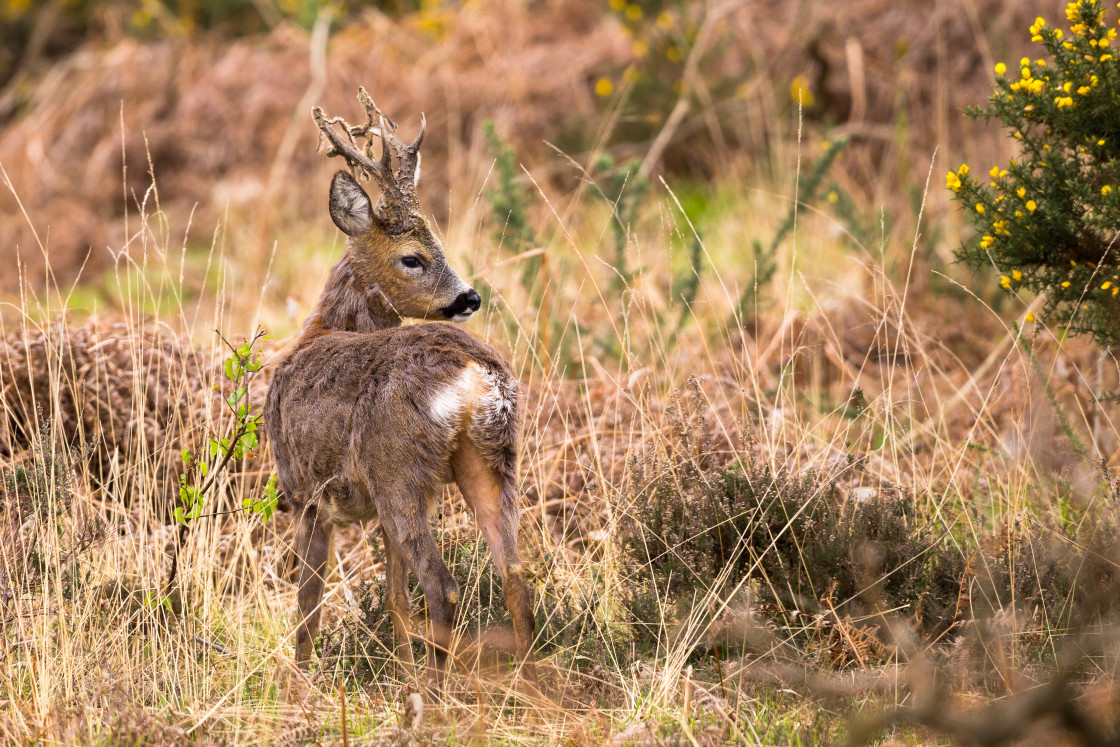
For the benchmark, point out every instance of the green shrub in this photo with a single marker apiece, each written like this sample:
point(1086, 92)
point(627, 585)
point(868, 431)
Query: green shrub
point(661, 34)
point(1049, 219)
point(765, 258)
point(800, 545)
point(623, 188)
point(509, 202)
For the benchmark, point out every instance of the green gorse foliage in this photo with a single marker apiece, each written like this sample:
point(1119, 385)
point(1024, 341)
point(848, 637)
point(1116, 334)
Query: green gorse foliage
point(765, 264)
point(1048, 220)
point(623, 188)
point(508, 199)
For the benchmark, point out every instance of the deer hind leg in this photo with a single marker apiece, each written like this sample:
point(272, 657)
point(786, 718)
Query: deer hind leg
point(441, 594)
point(397, 600)
point(483, 487)
point(313, 541)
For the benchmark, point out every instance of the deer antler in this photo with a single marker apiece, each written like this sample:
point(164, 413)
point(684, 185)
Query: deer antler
point(398, 207)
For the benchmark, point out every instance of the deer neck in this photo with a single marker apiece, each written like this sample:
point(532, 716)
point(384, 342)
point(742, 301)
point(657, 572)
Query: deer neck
point(347, 304)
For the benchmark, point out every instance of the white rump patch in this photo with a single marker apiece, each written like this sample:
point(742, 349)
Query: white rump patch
point(448, 404)
point(484, 392)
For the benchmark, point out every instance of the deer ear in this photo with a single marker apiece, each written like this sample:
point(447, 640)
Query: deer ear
point(351, 209)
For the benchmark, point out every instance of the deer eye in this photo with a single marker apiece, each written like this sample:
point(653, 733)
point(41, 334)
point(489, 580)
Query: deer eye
point(410, 262)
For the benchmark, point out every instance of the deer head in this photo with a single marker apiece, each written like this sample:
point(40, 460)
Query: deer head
point(392, 248)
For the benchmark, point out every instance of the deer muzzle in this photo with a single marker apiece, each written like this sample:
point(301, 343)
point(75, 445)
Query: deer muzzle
point(465, 304)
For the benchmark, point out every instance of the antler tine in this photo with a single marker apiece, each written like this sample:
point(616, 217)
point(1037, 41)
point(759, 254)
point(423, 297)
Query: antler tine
point(393, 197)
point(408, 157)
point(373, 111)
point(408, 160)
point(399, 204)
point(419, 135)
point(348, 149)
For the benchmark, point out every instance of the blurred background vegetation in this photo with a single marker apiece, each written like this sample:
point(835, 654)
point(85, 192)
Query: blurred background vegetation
point(211, 99)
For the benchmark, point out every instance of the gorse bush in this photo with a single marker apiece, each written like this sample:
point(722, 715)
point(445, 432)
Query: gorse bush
point(509, 199)
point(765, 258)
point(1048, 220)
point(623, 188)
point(661, 33)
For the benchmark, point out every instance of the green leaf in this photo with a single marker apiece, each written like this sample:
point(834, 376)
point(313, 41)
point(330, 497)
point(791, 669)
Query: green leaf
point(271, 499)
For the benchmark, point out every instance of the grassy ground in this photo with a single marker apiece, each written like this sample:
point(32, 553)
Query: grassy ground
point(796, 497)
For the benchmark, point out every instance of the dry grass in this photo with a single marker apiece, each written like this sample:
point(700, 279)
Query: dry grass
point(868, 391)
point(953, 417)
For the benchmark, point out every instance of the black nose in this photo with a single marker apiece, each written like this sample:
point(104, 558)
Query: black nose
point(466, 302)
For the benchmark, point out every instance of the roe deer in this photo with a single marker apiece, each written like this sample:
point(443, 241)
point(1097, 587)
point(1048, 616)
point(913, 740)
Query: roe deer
point(367, 417)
